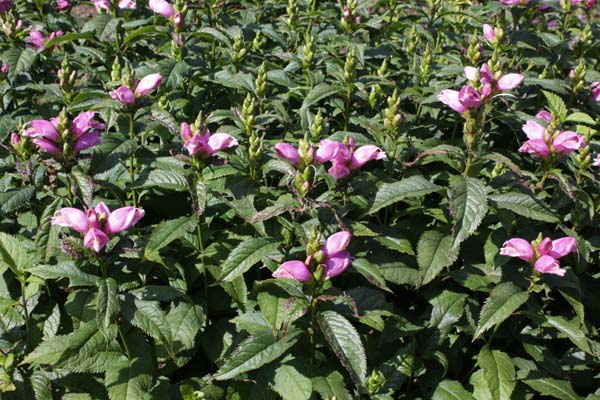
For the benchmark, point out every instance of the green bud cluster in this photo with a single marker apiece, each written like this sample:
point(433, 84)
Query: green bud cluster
point(239, 51)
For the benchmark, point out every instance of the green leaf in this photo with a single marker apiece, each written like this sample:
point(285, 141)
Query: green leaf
point(66, 269)
point(129, 380)
point(280, 310)
point(291, 384)
point(556, 105)
point(149, 317)
point(165, 179)
point(185, 321)
point(14, 199)
point(244, 256)
point(331, 386)
point(468, 203)
point(398, 369)
point(525, 205)
point(555, 388)
point(499, 372)
point(451, 390)
point(370, 272)
point(504, 299)
point(574, 332)
point(390, 193)
point(107, 304)
point(345, 343)
point(434, 253)
point(448, 307)
point(318, 93)
point(68, 37)
point(580, 118)
point(13, 255)
point(19, 60)
point(254, 352)
point(46, 238)
point(166, 232)
point(85, 184)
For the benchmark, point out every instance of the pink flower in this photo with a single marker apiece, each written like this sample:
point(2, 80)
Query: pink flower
point(514, 2)
point(62, 4)
point(517, 247)
point(337, 259)
point(549, 265)
point(364, 154)
point(205, 144)
point(345, 159)
point(4, 69)
point(124, 95)
point(567, 142)
point(336, 243)
point(595, 86)
point(148, 84)
point(538, 139)
point(294, 270)
point(127, 4)
point(545, 115)
point(288, 153)
point(563, 246)
point(162, 7)
point(488, 32)
point(36, 40)
point(509, 82)
point(98, 224)
point(102, 5)
point(597, 161)
point(450, 98)
point(469, 97)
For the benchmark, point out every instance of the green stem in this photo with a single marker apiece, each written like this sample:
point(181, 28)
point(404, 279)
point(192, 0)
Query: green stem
point(132, 159)
point(24, 305)
point(124, 341)
point(347, 106)
point(202, 265)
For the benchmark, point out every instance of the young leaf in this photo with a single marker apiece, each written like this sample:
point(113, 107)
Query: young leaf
point(469, 205)
point(390, 193)
point(291, 384)
point(244, 256)
point(499, 372)
point(434, 253)
point(345, 343)
point(504, 299)
point(254, 352)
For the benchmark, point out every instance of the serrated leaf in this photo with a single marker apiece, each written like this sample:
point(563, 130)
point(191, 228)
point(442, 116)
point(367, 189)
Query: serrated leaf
point(85, 184)
point(499, 372)
point(107, 304)
point(14, 199)
point(398, 369)
point(46, 237)
point(165, 179)
point(13, 255)
point(280, 310)
point(370, 272)
point(291, 384)
point(390, 193)
point(318, 93)
point(451, 390)
point(574, 332)
point(244, 256)
point(556, 105)
point(469, 205)
point(254, 352)
point(434, 253)
point(331, 386)
point(52, 323)
point(555, 388)
point(524, 205)
point(504, 299)
point(185, 321)
point(149, 317)
point(129, 380)
point(345, 343)
point(19, 60)
point(66, 269)
point(166, 232)
point(448, 307)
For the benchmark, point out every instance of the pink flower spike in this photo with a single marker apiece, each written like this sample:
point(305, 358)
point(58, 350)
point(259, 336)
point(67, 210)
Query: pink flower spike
point(563, 246)
point(46, 145)
point(294, 270)
point(469, 97)
point(568, 141)
point(488, 32)
point(338, 264)
point(364, 154)
point(549, 265)
point(450, 98)
point(122, 218)
point(336, 243)
point(220, 141)
point(509, 81)
point(124, 95)
point(71, 218)
point(42, 128)
point(517, 247)
point(162, 7)
point(61, 4)
point(95, 239)
point(148, 84)
point(288, 153)
point(86, 141)
point(485, 74)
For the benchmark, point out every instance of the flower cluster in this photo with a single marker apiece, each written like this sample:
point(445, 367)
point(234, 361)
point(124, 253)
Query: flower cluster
point(332, 259)
point(128, 97)
point(58, 137)
point(37, 40)
point(98, 224)
point(542, 253)
point(482, 86)
point(106, 5)
point(543, 143)
point(200, 142)
point(167, 10)
point(344, 158)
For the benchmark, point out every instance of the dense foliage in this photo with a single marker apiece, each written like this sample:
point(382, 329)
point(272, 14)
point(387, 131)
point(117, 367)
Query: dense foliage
point(299, 199)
